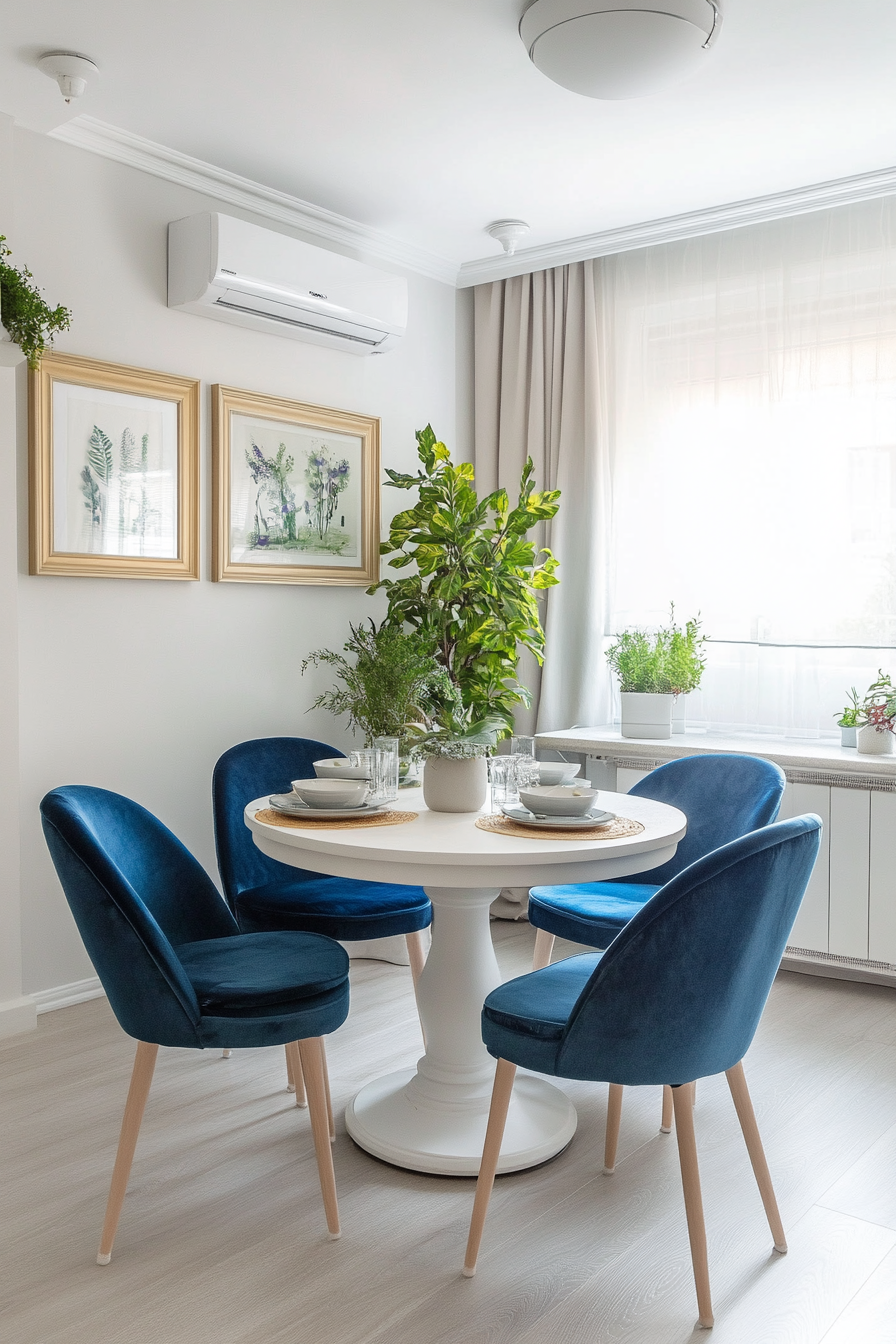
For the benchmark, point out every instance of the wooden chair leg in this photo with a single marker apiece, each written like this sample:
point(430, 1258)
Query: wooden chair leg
point(544, 946)
point(666, 1120)
point(416, 954)
point(295, 1081)
point(225, 1054)
point(497, 1119)
point(740, 1094)
point(614, 1115)
point(323, 1060)
point(683, 1103)
point(141, 1080)
point(312, 1065)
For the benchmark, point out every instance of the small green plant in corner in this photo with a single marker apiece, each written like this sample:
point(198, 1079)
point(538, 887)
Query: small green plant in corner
point(851, 714)
point(473, 597)
point(28, 318)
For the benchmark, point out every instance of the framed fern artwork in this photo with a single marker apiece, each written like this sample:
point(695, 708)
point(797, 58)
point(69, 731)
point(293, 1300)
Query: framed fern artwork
point(295, 491)
point(114, 471)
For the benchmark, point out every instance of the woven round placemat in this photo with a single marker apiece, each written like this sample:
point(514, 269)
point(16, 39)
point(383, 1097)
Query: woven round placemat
point(611, 830)
point(308, 823)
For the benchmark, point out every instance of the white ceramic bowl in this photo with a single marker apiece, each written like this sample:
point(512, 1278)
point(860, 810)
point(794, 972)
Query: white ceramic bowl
point(556, 772)
point(331, 792)
point(339, 767)
point(559, 800)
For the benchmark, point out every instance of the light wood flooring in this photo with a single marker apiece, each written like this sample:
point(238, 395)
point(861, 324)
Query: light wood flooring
point(222, 1239)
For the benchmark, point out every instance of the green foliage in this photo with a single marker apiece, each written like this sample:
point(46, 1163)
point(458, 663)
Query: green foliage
point(473, 597)
point(879, 705)
point(851, 715)
point(669, 662)
point(456, 734)
point(393, 679)
point(30, 321)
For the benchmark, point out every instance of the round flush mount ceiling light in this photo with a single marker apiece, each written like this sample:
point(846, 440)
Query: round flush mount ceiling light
point(70, 70)
point(508, 232)
point(619, 48)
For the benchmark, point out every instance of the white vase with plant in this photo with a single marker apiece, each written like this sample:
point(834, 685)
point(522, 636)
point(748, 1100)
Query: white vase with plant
point(849, 719)
point(877, 718)
point(653, 670)
point(454, 749)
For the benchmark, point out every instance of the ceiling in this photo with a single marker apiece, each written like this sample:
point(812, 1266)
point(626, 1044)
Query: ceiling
point(424, 119)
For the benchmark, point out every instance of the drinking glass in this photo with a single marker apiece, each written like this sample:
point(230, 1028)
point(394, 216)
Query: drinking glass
point(385, 783)
point(502, 774)
point(522, 751)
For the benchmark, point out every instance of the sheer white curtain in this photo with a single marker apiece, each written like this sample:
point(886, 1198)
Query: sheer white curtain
point(754, 457)
point(539, 391)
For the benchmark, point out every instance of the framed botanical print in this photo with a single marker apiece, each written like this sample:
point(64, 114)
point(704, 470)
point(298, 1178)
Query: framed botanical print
point(114, 471)
point(295, 491)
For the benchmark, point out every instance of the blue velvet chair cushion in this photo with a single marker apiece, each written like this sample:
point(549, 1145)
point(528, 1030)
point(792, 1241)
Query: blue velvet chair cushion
point(588, 912)
point(340, 907)
point(259, 969)
point(722, 795)
point(680, 991)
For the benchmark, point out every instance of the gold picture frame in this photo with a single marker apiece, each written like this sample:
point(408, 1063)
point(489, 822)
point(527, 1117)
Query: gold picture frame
point(295, 491)
point(120, 499)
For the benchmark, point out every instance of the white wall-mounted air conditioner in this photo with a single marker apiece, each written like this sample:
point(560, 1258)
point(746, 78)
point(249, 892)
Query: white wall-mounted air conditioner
point(223, 267)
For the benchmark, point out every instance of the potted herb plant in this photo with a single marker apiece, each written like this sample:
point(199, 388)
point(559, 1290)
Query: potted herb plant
point(850, 718)
point(385, 677)
point(877, 718)
point(685, 661)
point(473, 595)
point(27, 319)
point(654, 668)
point(454, 747)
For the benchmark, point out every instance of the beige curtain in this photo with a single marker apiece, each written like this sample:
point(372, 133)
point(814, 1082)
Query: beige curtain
point(539, 390)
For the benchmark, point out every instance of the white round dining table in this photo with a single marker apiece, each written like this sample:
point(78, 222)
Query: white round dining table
point(433, 1118)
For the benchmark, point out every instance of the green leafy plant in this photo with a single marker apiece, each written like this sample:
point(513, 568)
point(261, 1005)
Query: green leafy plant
point(388, 679)
point(667, 662)
point(850, 716)
point(456, 734)
point(28, 318)
point(878, 708)
point(473, 597)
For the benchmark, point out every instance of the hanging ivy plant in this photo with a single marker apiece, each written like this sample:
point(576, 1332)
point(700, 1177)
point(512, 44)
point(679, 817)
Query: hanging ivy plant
point(28, 318)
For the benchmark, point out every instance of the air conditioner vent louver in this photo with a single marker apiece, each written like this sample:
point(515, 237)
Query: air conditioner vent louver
point(227, 269)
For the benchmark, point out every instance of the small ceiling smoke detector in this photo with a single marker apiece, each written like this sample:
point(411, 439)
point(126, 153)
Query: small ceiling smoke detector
point(620, 48)
point(508, 233)
point(70, 71)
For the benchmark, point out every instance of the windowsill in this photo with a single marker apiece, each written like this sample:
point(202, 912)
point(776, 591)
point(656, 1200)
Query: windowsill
point(793, 754)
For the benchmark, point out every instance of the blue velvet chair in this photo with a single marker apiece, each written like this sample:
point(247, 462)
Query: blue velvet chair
point(265, 895)
point(676, 997)
point(723, 796)
point(178, 971)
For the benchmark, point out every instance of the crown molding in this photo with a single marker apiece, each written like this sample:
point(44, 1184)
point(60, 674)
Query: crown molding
point(716, 219)
point(113, 142)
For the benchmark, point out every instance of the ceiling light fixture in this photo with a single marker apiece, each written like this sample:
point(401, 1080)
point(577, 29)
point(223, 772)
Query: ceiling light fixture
point(70, 71)
point(508, 233)
point(619, 48)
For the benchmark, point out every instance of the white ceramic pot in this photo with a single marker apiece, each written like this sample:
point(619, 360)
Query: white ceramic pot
point(646, 715)
point(679, 714)
point(455, 786)
point(870, 742)
point(848, 736)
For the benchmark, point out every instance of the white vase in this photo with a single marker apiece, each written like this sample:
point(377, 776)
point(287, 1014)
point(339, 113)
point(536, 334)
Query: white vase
point(679, 714)
point(847, 736)
point(646, 715)
point(870, 742)
point(455, 786)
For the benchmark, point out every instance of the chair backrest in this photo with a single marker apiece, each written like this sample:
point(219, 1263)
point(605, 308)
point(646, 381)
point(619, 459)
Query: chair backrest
point(723, 797)
point(247, 771)
point(679, 993)
point(136, 893)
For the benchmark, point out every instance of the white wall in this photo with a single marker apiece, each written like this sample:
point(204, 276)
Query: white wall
point(138, 686)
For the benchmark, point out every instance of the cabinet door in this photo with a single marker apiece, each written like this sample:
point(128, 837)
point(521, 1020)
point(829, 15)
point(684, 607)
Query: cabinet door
point(850, 840)
point(882, 893)
point(811, 928)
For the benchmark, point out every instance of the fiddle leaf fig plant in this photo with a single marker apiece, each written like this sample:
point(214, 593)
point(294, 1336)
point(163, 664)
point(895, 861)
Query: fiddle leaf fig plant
point(473, 594)
point(25, 314)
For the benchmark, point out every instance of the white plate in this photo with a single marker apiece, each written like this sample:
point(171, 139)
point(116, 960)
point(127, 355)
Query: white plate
point(283, 802)
point(596, 817)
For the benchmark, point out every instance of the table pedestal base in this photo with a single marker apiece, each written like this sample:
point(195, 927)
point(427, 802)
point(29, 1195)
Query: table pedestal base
point(389, 1121)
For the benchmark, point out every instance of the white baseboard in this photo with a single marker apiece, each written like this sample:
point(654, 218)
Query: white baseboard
point(17, 1016)
point(63, 996)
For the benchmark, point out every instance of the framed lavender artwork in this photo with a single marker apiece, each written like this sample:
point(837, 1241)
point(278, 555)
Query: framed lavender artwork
point(114, 471)
point(295, 491)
